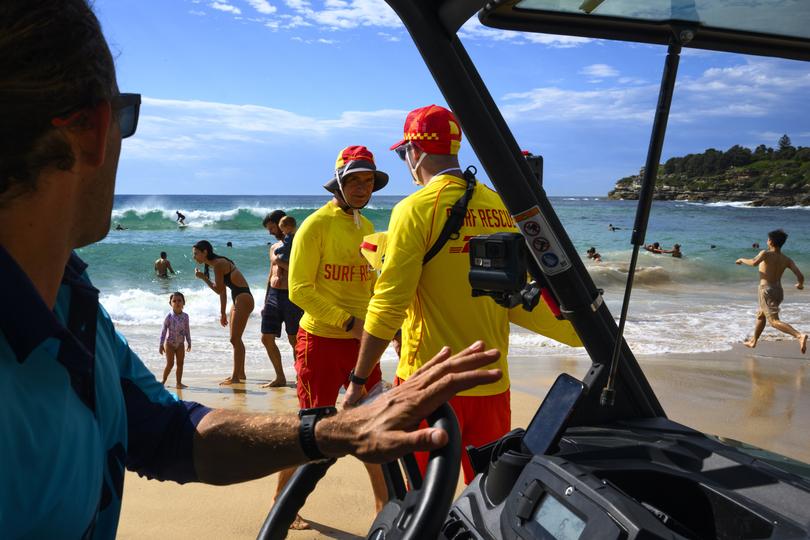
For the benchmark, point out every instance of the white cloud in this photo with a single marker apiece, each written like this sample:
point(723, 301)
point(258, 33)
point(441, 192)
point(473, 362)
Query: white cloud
point(226, 7)
point(599, 71)
point(179, 130)
point(388, 37)
point(327, 41)
point(262, 6)
point(197, 12)
point(757, 88)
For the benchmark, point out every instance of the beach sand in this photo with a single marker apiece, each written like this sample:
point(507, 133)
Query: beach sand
point(759, 396)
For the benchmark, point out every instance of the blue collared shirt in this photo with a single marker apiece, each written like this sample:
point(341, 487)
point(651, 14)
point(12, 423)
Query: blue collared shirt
point(77, 406)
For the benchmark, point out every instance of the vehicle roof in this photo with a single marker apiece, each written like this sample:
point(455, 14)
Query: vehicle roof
point(778, 28)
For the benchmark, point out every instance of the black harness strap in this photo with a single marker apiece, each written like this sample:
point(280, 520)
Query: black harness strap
point(456, 218)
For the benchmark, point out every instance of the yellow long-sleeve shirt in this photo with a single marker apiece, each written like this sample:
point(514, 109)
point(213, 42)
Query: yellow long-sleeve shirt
point(329, 279)
point(435, 300)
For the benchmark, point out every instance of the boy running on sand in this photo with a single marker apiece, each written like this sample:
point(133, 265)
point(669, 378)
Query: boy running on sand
point(772, 264)
point(175, 331)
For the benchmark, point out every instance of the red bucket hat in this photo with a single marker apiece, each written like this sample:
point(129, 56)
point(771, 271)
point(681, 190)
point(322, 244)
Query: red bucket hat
point(354, 159)
point(433, 129)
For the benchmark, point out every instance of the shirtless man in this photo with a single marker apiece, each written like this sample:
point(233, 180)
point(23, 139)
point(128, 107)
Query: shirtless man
point(277, 305)
point(163, 266)
point(772, 264)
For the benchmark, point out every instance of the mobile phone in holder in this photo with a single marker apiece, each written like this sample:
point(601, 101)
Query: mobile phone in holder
point(551, 419)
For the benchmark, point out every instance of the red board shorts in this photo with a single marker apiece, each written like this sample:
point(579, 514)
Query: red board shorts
point(482, 419)
point(323, 365)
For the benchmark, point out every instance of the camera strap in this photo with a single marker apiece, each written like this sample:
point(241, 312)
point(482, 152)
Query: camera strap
point(456, 218)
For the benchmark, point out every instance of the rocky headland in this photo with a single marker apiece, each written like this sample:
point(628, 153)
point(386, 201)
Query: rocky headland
point(765, 177)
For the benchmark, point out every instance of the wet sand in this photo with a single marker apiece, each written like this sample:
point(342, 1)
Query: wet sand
point(759, 396)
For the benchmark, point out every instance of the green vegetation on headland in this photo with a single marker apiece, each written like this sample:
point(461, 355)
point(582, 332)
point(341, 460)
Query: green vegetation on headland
point(765, 176)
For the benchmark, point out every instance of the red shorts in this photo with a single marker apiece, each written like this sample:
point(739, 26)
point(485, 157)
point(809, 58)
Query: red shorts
point(323, 365)
point(482, 419)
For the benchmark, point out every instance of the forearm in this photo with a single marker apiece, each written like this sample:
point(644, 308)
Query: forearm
point(223, 302)
point(371, 349)
point(304, 296)
point(210, 284)
point(252, 446)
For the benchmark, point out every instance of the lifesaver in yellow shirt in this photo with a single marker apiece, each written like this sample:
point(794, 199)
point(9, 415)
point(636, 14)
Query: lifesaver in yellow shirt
point(373, 249)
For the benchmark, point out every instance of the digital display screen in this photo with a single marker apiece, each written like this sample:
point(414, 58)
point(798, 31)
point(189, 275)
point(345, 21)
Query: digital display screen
point(557, 520)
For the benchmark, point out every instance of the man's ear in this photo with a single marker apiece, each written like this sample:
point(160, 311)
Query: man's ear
point(92, 137)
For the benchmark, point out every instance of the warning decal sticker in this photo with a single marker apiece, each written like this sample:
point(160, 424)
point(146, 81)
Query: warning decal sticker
point(542, 242)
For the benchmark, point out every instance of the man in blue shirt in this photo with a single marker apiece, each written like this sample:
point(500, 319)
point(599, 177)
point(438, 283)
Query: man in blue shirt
point(78, 405)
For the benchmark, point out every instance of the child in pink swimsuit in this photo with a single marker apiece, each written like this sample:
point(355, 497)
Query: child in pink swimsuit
point(175, 331)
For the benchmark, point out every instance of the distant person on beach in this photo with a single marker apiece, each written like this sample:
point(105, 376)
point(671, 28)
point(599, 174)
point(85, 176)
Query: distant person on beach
point(227, 276)
point(612, 228)
point(163, 266)
point(655, 247)
point(772, 264)
point(431, 302)
point(287, 226)
point(175, 333)
point(592, 254)
point(332, 282)
point(278, 309)
point(676, 251)
point(79, 406)
point(755, 245)
point(229, 244)
point(181, 219)
point(118, 227)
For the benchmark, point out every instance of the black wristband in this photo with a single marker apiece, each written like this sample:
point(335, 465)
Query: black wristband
point(350, 324)
point(357, 380)
point(306, 431)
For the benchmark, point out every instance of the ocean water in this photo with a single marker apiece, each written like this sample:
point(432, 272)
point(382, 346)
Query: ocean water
point(700, 303)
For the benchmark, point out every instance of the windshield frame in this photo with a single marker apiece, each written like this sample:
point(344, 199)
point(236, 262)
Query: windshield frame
point(507, 15)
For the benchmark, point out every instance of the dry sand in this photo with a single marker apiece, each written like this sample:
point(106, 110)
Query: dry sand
point(758, 396)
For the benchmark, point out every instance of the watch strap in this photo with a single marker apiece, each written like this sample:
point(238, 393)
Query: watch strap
point(357, 380)
point(306, 432)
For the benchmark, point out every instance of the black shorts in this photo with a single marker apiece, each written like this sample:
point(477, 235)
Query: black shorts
point(278, 309)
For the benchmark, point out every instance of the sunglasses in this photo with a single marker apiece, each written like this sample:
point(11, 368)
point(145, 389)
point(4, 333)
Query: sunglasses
point(126, 106)
point(402, 151)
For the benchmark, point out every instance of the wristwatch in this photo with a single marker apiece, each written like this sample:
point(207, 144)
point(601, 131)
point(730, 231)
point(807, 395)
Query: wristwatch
point(306, 432)
point(357, 379)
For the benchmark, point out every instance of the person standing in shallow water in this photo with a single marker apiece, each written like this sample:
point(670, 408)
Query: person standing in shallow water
point(772, 264)
point(175, 333)
point(163, 266)
point(227, 276)
point(277, 306)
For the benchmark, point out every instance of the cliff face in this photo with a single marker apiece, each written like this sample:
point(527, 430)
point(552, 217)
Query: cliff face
point(763, 186)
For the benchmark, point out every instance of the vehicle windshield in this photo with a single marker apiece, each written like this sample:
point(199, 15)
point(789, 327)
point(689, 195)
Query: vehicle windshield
point(777, 17)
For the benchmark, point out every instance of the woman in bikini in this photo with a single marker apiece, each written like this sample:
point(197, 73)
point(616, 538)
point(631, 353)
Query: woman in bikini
point(227, 275)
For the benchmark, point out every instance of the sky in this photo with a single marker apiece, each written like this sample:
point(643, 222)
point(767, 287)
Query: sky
point(259, 96)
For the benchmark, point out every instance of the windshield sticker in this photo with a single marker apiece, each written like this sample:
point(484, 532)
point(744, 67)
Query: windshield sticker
point(542, 242)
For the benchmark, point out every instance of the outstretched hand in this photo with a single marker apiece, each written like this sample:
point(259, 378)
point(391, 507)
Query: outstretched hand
point(386, 428)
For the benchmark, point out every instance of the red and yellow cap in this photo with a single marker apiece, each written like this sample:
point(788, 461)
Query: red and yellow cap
point(354, 159)
point(433, 129)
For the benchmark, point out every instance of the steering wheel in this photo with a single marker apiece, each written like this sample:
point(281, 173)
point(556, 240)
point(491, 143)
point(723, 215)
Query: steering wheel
point(420, 514)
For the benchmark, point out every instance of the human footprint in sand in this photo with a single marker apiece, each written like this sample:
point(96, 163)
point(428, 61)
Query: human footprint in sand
point(175, 332)
point(772, 264)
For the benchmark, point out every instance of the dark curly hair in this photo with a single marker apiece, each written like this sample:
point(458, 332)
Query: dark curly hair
point(54, 61)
